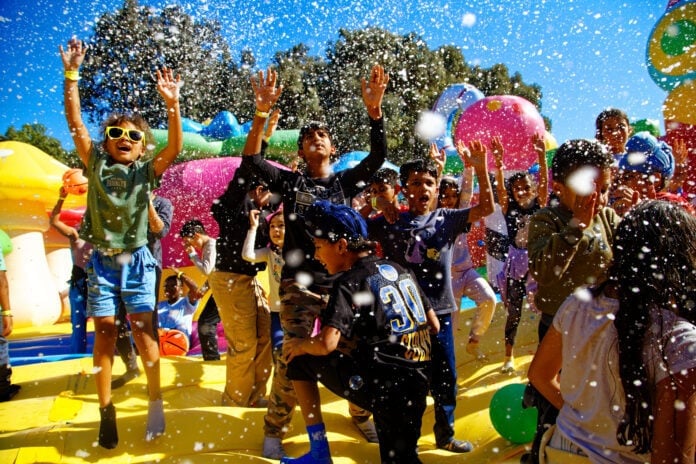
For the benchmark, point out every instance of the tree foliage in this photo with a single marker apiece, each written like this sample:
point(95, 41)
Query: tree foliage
point(35, 134)
point(129, 44)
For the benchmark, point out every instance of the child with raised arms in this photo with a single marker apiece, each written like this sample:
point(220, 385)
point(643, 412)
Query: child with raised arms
point(121, 268)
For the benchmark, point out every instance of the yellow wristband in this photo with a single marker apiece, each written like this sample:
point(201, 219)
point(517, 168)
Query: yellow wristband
point(72, 75)
point(373, 202)
point(262, 114)
point(6, 313)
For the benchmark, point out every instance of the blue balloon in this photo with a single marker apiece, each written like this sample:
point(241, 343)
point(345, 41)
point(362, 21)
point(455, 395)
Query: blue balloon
point(351, 159)
point(189, 125)
point(224, 125)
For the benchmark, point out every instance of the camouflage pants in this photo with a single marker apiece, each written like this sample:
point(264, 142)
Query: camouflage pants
point(299, 309)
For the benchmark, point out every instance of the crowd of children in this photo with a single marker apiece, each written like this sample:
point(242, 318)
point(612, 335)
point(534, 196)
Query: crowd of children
point(614, 292)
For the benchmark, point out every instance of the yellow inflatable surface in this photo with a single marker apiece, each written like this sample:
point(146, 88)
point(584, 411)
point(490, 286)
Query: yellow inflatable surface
point(55, 418)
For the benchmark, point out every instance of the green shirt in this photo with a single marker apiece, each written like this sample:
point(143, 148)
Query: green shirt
point(117, 202)
point(563, 258)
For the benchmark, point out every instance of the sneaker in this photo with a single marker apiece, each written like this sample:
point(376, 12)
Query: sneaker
point(508, 367)
point(367, 428)
point(273, 448)
point(125, 378)
point(457, 446)
point(474, 350)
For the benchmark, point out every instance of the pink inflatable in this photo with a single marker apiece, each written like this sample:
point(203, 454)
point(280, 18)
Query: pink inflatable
point(192, 187)
point(512, 118)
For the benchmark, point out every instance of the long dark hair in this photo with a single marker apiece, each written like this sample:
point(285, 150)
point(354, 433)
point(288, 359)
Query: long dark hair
point(654, 269)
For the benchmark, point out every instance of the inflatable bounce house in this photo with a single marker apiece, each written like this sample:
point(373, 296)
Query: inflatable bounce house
point(671, 61)
point(40, 263)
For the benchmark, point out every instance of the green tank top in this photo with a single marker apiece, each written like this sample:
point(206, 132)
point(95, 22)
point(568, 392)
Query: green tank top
point(117, 202)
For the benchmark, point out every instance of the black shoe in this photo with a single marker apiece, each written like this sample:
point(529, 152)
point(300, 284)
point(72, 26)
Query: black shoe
point(457, 446)
point(108, 434)
point(125, 378)
point(11, 391)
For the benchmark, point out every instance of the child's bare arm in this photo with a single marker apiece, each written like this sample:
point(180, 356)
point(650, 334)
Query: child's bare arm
point(72, 58)
point(60, 226)
point(498, 152)
point(543, 189)
point(467, 190)
point(476, 157)
point(266, 94)
point(373, 91)
point(439, 157)
point(168, 87)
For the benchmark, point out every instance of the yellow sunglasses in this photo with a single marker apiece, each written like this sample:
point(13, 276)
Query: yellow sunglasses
point(116, 133)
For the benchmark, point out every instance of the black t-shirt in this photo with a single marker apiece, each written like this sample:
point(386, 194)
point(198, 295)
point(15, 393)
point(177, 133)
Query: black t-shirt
point(231, 211)
point(379, 307)
point(299, 191)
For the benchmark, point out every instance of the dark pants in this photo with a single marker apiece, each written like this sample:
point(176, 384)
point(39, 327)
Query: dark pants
point(444, 380)
point(532, 398)
point(516, 291)
point(396, 395)
point(207, 330)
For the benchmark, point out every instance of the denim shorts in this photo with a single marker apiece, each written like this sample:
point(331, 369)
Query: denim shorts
point(128, 277)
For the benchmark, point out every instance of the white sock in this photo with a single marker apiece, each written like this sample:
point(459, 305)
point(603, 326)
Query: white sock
point(155, 420)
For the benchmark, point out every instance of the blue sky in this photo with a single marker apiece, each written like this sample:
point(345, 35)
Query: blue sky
point(585, 54)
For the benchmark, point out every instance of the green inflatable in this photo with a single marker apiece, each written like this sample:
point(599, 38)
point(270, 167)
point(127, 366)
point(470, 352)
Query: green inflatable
point(509, 418)
point(281, 143)
point(5, 243)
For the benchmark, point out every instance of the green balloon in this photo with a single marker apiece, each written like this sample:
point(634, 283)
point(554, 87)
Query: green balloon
point(679, 37)
point(513, 422)
point(5, 243)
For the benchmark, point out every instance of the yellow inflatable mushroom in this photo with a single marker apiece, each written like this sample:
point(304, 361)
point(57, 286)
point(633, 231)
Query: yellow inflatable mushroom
point(29, 184)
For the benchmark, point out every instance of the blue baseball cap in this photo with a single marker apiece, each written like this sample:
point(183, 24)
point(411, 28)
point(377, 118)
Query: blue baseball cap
point(330, 221)
point(646, 154)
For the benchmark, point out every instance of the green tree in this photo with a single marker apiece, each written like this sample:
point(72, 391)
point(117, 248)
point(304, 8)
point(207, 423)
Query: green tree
point(130, 44)
point(35, 134)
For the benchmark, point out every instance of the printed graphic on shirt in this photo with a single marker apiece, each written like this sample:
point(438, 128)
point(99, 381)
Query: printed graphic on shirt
point(400, 300)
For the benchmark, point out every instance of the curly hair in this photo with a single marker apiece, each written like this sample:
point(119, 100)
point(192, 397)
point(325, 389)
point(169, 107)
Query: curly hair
point(654, 269)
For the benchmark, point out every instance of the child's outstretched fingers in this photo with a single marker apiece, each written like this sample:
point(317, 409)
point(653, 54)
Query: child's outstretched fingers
point(438, 156)
point(477, 154)
point(74, 55)
point(167, 85)
point(539, 145)
point(265, 90)
point(373, 90)
point(497, 149)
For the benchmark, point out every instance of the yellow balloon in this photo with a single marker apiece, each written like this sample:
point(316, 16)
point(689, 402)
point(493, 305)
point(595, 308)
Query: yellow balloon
point(680, 104)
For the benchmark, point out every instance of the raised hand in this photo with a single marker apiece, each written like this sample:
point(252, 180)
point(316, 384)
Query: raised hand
point(498, 151)
point(74, 55)
point(168, 86)
point(254, 218)
point(539, 148)
point(438, 156)
point(474, 155)
point(266, 91)
point(373, 91)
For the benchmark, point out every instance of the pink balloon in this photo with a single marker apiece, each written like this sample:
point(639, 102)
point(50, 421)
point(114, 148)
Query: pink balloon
point(512, 118)
point(192, 187)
